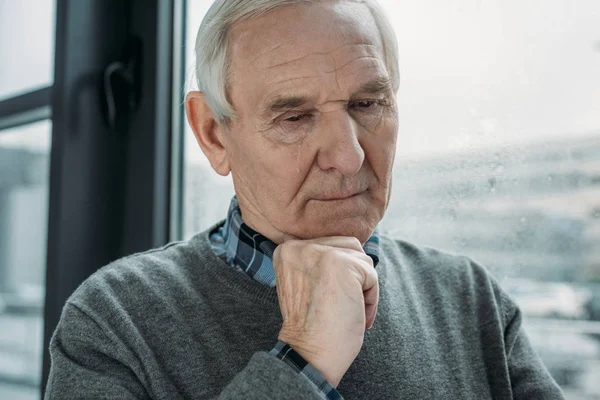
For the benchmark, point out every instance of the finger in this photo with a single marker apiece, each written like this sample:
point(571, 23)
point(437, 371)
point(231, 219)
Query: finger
point(370, 313)
point(371, 297)
point(369, 274)
point(343, 242)
point(370, 293)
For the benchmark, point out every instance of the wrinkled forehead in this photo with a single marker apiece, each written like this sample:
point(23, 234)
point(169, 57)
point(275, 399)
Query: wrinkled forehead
point(291, 45)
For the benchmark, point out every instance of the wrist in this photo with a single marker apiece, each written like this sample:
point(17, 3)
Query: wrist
point(316, 359)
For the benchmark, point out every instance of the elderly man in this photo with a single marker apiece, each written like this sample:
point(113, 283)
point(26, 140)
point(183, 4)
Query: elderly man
point(294, 294)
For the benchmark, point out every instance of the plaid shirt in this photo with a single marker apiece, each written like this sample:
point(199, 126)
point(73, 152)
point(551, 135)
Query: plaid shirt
point(251, 253)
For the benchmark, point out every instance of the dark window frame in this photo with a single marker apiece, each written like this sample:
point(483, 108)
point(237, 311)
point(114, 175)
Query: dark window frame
point(112, 192)
point(26, 108)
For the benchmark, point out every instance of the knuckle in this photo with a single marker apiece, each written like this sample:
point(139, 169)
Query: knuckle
point(331, 256)
point(286, 249)
point(355, 242)
point(277, 253)
point(373, 274)
point(313, 251)
point(367, 260)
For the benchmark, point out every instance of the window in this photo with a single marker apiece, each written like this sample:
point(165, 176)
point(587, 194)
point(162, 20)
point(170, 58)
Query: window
point(24, 160)
point(26, 45)
point(102, 191)
point(498, 158)
point(199, 209)
point(23, 217)
point(27, 59)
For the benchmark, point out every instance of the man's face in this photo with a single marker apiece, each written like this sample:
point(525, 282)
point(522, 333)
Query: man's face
point(312, 148)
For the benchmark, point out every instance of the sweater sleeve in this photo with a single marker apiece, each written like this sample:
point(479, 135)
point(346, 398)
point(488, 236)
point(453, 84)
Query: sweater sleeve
point(528, 376)
point(267, 377)
point(88, 364)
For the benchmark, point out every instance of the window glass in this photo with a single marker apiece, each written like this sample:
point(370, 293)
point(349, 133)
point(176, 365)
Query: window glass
point(200, 210)
point(26, 45)
point(24, 162)
point(498, 158)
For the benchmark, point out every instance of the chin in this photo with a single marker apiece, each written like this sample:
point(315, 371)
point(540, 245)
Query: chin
point(356, 217)
point(359, 228)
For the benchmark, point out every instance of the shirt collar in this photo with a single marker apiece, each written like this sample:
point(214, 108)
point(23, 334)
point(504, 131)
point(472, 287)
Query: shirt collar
point(253, 252)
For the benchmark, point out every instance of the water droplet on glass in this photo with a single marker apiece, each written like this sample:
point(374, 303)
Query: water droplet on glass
point(523, 219)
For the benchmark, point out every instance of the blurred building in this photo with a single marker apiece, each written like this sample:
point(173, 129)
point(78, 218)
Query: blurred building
point(23, 204)
point(23, 227)
point(528, 212)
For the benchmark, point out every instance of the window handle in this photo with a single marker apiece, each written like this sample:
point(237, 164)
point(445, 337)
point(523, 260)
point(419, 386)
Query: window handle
point(121, 86)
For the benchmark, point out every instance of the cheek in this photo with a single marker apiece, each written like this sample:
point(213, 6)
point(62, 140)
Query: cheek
point(290, 166)
point(280, 172)
point(380, 151)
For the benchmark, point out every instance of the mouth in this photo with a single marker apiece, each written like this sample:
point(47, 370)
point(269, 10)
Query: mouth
point(339, 197)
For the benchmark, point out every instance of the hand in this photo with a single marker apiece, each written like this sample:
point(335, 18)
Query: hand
point(328, 294)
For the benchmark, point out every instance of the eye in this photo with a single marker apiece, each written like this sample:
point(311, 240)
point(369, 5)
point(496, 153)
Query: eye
point(365, 104)
point(296, 118)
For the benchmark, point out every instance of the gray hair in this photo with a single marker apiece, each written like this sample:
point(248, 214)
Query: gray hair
point(212, 58)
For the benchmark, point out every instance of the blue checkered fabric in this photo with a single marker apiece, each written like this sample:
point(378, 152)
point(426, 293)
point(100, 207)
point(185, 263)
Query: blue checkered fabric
point(251, 253)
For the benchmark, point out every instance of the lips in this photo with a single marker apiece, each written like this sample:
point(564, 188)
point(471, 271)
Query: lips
point(340, 196)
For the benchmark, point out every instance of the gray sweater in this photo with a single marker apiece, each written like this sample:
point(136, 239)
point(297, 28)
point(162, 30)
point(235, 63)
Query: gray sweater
point(177, 322)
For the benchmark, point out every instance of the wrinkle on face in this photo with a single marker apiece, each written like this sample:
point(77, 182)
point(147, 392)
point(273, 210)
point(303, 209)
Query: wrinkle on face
point(341, 77)
point(267, 52)
point(312, 53)
point(328, 61)
point(288, 80)
point(319, 91)
point(377, 60)
point(295, 60)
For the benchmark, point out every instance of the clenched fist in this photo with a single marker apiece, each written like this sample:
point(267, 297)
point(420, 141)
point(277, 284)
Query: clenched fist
point(328, 294)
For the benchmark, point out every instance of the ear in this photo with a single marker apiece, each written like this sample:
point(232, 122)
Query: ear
point(208, 131)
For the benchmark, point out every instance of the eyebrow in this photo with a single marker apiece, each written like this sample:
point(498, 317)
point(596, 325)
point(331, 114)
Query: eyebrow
point(286, 103)
point(379, 86)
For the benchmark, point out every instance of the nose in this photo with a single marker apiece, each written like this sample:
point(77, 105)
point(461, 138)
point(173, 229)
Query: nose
point(340, 148)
